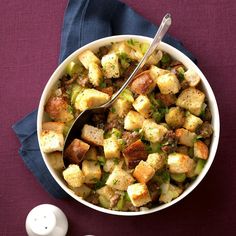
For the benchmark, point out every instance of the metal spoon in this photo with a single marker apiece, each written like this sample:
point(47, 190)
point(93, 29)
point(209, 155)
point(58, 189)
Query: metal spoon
point(84, 116)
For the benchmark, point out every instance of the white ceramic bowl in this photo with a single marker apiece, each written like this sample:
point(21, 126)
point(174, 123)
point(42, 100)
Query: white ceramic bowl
point(175, 54)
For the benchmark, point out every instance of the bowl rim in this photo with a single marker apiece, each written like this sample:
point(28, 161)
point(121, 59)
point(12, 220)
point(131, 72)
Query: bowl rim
point(181, 57)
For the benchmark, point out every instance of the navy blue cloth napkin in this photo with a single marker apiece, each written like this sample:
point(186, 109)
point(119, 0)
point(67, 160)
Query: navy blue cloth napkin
point(84, 22)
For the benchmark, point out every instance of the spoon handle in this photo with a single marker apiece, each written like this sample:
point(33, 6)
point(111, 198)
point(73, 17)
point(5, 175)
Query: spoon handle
point(164, 26)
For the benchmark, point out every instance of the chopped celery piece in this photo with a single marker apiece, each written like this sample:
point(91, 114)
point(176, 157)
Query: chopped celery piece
point(191, 152)
point(76, 89)
point(70, 109)
point(144, 47)
point(72, 68)
point(101, 160)
point(127, 95)
point(166, 59)
point(104, 201)
point(155, 147)
point(180, 74)
point(178, 177)
point(120, 204)
point(161, 177)
point(126, 197)
point(116, 133)
point(180, 70)
point(203, 110)
point(200, 164)
point(124, 60)
point(133, 42)
point(164, 188)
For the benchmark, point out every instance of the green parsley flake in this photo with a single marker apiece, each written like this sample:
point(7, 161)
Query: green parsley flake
point(102, 84)
point(113, 110)
point(115, 181)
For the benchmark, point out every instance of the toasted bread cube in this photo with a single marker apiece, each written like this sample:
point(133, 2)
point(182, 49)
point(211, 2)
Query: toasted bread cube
point(166, 99)
point(91, 154)
point(191, 173)
point(73, 175)
point(110, 164)
point(58, 109)
point(153, 132)
point(121, 48)
point(200, 150)
point(110, 66)
point(156, 161)
point(192, 122)
point(108, 90)
point(121, 107)
point(55, 126)
point(111, 147)
point(143, 83)
point(142, 105)
point(89, 98)
point(92, 171)
point(172, 193)
point(56, 161)
point(175, 117)
point(179, 163)
point(106, 191)
point(132, 51)
point(138, 194)
point(133, 121)
point(155, 72)
point(168, 83)
point(155, 57)
point(95, 74)
point(76, 151)
point(134, 153)
point(88, 57)
point(136, 51)
point(119, 179)
point(51, 141)
point(92, 135)
point(82, 191)
point(191, 99)
point(143, 172)
point(192, 77)
point(185, 137)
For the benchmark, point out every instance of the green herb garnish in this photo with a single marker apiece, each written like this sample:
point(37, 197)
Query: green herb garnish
point(102, 181)
point(102, 84)
point(115, 181)
point(132, 42)
point(70, 109)
point(116, 161)
point(113, 110)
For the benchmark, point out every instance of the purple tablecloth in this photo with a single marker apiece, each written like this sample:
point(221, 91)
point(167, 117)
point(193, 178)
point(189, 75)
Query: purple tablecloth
point(29, 49)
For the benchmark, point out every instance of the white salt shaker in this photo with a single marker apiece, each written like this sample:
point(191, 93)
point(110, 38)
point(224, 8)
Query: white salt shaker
point(46, 220)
